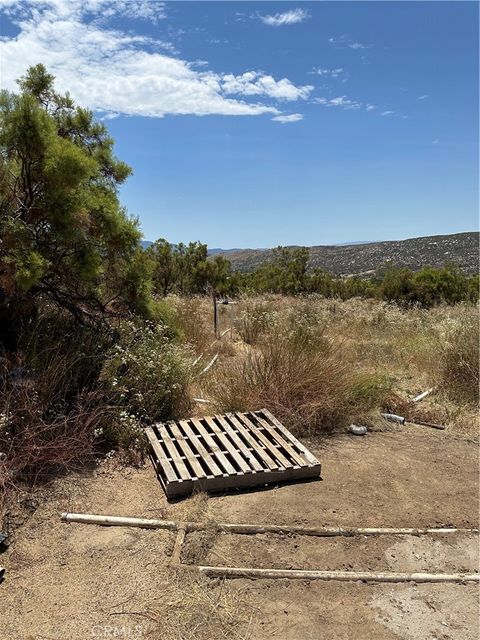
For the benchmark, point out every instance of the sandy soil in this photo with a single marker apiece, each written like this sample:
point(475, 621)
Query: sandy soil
point(74, 582)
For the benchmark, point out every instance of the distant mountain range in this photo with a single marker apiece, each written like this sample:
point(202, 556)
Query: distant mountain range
point(364, 258)
point(460, 249)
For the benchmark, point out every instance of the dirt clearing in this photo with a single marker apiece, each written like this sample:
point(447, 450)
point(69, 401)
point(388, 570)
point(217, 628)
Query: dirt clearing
point(74, 582)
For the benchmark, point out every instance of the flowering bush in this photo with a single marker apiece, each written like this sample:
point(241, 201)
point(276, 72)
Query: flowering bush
point(148, 374)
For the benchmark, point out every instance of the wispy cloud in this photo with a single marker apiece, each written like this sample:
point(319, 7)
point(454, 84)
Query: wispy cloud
point(118, 72)
point(436, 141)
point(344, 41)
point(340, 101)
point(329, 73)
point(387, 113)
point(422, 97)
point(294, 16)
point(370, 107)
point(284, 119)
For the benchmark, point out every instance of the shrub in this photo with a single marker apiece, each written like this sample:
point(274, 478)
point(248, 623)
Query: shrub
point(311, 389)
point(459, 357)
point(148, 374)
point(255, 320)
point(50, 408)
point(193, 319)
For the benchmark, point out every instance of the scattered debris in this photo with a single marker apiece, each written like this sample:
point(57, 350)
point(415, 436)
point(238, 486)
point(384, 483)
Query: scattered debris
point(429, 424)
point(202, 400)
point(392, 417)
point(210, 364)
point(197, 360)
point(357, 430)
point(3, 537)
point(225, 452)
point(423, 395)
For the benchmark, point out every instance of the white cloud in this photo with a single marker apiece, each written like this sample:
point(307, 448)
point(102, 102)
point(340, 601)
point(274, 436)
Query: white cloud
point(294, 16)
point(422, 97)
point(436, 141)
point(118, 72)
point(387, 113)
point(293, 117)
point(330, 73)
point(341, 101)
point(370, 107)
point(253, 83)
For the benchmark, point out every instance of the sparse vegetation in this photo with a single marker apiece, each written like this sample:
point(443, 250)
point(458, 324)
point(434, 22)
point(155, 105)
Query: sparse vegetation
point(99, 336)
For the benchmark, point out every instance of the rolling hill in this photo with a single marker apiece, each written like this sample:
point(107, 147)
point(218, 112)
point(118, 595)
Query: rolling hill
point(460, 249)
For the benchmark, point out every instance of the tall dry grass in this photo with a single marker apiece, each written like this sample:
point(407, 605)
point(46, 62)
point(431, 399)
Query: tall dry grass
point(319, 364)
point(298, 373)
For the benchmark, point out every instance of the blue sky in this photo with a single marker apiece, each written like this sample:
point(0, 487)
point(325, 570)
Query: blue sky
point(253, 124)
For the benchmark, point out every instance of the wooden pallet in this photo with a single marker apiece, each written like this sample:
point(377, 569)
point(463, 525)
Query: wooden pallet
point(224, 452)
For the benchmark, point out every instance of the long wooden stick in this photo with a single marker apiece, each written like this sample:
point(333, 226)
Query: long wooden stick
point(344, 576)
point(253, 529)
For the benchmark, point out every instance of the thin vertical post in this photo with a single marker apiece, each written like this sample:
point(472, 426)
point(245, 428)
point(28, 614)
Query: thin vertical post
point(215, 313)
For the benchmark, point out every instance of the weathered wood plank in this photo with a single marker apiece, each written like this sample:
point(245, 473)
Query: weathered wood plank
point(196, 444)
point(216, 453)
point(189, 455)
point(228, 445)
point(252, 460)
point(213, 446)
point(172, 450)
point(276, 453)
point(262, 454)
point(309, 456)
point(280, 440)
point(166, 466)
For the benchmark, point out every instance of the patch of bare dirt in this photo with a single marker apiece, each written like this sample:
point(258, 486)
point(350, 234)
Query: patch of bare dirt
point(75, 582)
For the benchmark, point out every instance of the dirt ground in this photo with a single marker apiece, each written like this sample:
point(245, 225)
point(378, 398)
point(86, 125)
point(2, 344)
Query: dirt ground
point(74, 581)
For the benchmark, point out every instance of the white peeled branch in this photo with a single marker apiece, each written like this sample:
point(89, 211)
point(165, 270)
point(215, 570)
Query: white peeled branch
point(197, 360)
point(423, 395)
point(210, 364)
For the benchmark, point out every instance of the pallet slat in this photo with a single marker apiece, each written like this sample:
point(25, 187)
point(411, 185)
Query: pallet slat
point(213, 445)
point(251, 459)
point(278, 438)
point(198, 446)
point(260, 451)
point(287, 464)
point(235, 450)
